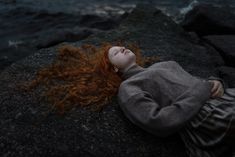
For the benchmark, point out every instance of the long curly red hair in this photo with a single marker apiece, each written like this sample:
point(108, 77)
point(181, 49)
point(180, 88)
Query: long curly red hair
point(82, 76)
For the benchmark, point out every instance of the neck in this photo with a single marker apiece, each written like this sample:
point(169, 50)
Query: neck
point(127, 68)
point(131, 70)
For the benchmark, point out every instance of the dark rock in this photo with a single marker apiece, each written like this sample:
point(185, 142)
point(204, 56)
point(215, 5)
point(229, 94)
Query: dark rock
point(14, 50)
point(68, 35)
point(81, 132)
point(207, 19)
point(228, 74)
point(8, 2)
point(94, 21)
point(225, 45)
point(88, 24)
point(194, 38)
point(39, 28)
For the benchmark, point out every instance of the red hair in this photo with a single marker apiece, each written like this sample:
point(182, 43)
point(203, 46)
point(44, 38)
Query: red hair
point(82, 76)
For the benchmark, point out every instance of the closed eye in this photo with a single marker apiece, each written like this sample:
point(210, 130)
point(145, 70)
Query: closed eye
point(118, 51)
point(115, 53)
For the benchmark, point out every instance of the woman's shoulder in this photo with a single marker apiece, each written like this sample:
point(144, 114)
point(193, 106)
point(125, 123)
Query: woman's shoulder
point(138, 79)
point(169, 63)
point(134, 85)
point(127, 90)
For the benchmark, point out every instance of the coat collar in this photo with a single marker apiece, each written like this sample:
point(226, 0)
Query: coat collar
point(133, 70)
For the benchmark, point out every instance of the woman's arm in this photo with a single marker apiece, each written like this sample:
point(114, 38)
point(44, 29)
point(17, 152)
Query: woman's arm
point(219, 86)
point(225, 85)
point(146, 113)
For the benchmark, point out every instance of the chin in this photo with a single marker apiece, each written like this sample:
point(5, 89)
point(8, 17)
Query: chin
point(132, 55)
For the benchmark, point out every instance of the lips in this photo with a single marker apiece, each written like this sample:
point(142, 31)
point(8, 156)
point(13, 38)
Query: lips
point(126, 51)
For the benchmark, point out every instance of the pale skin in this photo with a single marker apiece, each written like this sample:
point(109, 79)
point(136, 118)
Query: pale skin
point(217, 90)
point(122, 59)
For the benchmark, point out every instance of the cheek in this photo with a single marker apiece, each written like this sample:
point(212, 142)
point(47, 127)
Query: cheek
point(121, 61)
point(124, 61)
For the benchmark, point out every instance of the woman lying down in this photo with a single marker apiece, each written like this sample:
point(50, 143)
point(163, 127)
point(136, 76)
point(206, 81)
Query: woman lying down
point(162, 98)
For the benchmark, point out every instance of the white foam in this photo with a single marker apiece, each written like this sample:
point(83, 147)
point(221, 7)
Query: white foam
point(185, 10)
point(14, 43)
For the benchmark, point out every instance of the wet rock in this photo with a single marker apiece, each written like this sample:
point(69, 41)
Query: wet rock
point(207, 19)
point(54, 38)
point(225, 45)
point(228, 74)
point(25, 30)
point(94, 21)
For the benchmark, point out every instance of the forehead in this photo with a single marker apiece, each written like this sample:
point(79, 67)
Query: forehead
point(113, 49)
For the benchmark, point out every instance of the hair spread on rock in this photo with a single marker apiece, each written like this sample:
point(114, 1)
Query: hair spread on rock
point(82, 76)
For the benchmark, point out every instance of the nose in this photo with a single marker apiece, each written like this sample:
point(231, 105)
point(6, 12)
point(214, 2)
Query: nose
point(123, 49)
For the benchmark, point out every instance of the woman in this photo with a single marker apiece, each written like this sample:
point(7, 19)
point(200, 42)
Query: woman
point(162, 99)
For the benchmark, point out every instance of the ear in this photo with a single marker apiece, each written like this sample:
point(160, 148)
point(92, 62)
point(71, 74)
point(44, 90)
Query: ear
point(115, 69)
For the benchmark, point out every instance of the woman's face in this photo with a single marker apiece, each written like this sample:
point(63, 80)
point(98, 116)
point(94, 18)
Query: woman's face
point(121, 57)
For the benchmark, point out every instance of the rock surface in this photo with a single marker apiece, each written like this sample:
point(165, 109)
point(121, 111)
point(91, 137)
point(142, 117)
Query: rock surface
point(207, 19)
point(228, 74)
point(24, 30)
point(29, 129)
point(225, 45)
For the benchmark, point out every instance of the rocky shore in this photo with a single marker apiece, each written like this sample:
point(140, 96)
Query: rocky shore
point(29, 129)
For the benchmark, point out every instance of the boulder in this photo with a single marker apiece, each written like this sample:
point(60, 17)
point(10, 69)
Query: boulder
point(227, 73)
point(225, 45)
point(60, 36)
point(29, 128)
point(41, 28)
point(208, 19)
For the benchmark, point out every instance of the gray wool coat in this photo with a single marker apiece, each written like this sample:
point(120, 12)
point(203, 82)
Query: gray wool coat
point(163, 97)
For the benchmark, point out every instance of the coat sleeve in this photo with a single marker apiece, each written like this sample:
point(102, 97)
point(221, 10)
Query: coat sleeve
point(225, 85)
point(142, 110)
